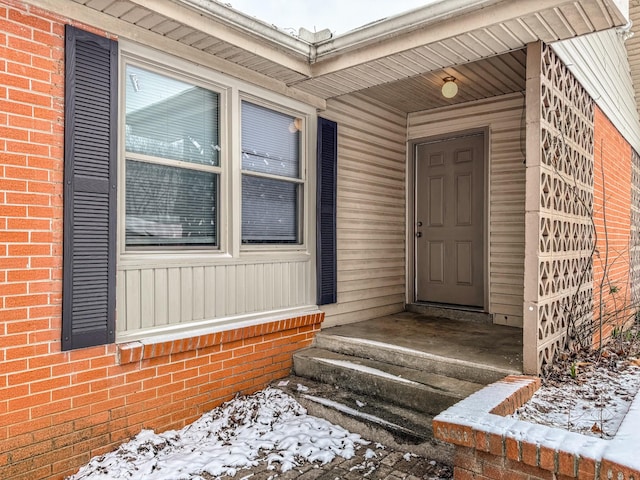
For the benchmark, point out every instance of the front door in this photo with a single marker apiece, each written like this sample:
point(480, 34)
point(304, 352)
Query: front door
point(449, 220)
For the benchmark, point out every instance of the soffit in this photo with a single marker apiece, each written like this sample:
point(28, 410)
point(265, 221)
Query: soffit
point(484, 78)
point(397, 48)
point(633, 48)
point(206, 33)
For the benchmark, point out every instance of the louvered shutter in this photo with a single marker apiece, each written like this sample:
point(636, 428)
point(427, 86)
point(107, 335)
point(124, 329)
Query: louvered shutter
point(326, 211)
point(88, 302)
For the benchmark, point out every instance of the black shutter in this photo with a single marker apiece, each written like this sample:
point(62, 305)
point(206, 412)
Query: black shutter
point(89, 277)
point(326, 211)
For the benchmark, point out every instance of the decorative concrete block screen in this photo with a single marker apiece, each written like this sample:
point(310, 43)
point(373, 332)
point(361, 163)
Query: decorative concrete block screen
point(635, 228)
point(559, 229)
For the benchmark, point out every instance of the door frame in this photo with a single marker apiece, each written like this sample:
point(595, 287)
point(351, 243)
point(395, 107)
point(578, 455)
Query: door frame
point(411, 186)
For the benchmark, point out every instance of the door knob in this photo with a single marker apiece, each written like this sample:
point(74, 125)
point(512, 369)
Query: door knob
point(418, 234)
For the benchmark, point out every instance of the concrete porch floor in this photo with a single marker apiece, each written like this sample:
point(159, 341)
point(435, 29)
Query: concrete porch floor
point(481, 343)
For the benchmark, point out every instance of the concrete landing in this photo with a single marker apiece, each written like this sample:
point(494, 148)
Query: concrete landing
point(495, 346)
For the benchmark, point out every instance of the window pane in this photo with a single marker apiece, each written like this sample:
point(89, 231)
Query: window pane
point(269, 210)
point(169, 205)
point(171, 119)
point(270, 141)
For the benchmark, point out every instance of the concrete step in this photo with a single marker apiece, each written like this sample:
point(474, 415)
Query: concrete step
point(392, 354)
point(404, 386)
point(375, 420)
point(448, 312)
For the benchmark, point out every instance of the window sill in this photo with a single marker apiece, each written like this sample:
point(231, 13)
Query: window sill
point(132, 261)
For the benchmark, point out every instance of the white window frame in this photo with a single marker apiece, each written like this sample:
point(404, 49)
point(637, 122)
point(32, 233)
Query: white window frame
point(231, 91)
point(153, 61)
point(301, 180)
point(157, 160)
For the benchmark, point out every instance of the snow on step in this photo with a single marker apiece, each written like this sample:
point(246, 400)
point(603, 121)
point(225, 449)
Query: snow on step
point(356, 413)
point(418, 353)
point(364, 369)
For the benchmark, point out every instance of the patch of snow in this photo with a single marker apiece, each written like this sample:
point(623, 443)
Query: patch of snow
point(407, 456)
point(369, 464)
point(360, 404)
point(624, 447)
point(356, 413)
point(302, 388)
point(369, 454)
point(475, 407)
point(268, 426)
point(365, 369)
point(595, 407)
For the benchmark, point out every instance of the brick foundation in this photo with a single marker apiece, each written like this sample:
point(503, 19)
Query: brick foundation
point(489, 446)
point(58, 409)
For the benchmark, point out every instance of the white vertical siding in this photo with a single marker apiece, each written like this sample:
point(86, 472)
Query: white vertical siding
point(159, 299)
point(371, 209)
point(600, 63)
point(504, 118)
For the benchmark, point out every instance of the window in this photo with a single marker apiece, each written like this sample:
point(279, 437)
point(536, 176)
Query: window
point(175, 179)
point(272, 179)
point(172, 165)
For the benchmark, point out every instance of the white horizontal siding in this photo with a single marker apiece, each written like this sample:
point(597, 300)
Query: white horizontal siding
point(371, 209)
point(504, 118)
point(157, 300)
point(599, 61)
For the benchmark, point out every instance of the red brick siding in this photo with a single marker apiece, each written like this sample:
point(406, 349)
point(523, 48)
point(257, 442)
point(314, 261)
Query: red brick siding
point(58, 409)
point(612, 199)
point(61, 408)
point(486, 451)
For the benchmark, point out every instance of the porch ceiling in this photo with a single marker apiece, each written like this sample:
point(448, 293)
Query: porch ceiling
point(418, 47)
point(484, 78)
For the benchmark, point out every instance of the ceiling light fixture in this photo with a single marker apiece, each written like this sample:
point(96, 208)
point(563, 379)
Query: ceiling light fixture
point(450, 88)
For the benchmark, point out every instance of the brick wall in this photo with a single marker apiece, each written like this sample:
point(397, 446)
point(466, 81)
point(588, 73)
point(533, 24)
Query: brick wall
point(612, 202)
point(61, 408)
point(57, 409)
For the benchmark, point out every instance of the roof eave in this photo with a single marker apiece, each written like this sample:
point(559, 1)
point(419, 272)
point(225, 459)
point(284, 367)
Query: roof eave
point(239, 29)
point(396, 25)
point(438, 21)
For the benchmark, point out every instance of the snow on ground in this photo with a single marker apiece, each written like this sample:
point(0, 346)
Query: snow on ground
point(268, 426)
point(593, 403)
